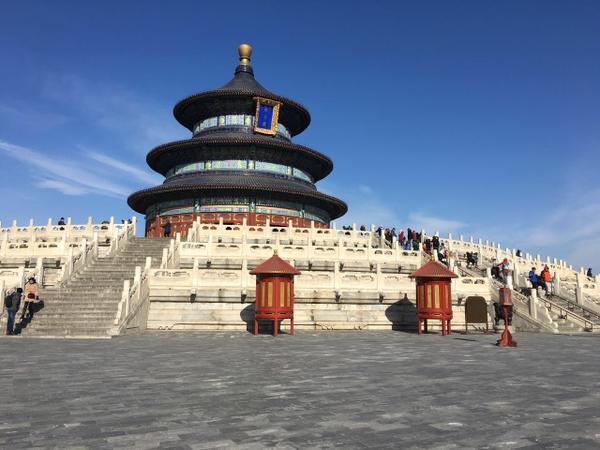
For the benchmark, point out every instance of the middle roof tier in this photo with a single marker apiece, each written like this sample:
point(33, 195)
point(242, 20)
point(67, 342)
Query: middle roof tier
point(226, 146)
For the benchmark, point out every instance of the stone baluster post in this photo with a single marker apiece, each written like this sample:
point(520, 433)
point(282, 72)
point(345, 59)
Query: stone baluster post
point(516, 274)
point(165, 258)
point(68, 230)
point(336, 277)
point(89, 226)
point(4, 245)
point(126, 288)
point(83, 251)
point(20, 276)
point(579, 288)
point(39, 270)
point(209, 246)
point(533, 304)
point(2, 294)
point(95, 244)
point(14, 228)
point(379, 279)
point(556, 287)
point(195, 273)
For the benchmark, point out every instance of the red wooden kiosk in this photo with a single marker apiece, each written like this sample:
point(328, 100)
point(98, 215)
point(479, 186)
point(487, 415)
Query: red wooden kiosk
point(434, 296)
point(274, 292)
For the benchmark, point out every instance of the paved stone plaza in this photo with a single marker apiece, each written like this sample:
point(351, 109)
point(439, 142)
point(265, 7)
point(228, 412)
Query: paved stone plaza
point(313, 390)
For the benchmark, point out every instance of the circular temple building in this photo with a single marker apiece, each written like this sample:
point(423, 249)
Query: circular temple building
point(239, 164)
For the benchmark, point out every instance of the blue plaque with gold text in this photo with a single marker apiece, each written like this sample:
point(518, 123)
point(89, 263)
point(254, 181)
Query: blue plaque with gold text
point(267, 115)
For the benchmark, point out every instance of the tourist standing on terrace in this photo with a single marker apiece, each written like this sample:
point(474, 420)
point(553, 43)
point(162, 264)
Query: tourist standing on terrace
point(167, 229)
point(12, 302)
point(31, 293)
point(589, 272)
point(505, 267)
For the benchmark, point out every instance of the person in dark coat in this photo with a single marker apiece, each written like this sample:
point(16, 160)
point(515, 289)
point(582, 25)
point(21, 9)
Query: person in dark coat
point(167, 229)
point(12, 303)
point(589, 272)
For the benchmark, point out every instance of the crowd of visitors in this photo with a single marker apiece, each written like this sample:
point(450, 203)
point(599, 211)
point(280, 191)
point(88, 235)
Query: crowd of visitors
point(29, 296)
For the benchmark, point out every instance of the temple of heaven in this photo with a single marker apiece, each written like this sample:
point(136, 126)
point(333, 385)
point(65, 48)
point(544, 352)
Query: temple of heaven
point(239, 164)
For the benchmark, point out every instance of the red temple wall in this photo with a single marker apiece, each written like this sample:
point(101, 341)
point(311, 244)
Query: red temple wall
point(181, 222)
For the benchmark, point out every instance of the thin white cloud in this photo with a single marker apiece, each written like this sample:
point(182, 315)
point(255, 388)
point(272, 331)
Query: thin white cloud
point(140, 121)
point(365, 207)
point(136, 172)
point(431, 224)
point(61, 186)
point(77, 175)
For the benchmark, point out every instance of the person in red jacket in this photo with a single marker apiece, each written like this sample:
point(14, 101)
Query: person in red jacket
point(547, 278)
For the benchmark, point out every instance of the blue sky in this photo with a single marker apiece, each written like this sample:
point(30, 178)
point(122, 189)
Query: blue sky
point(478, 117)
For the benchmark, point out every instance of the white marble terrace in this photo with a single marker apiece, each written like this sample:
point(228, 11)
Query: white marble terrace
point(51, 252)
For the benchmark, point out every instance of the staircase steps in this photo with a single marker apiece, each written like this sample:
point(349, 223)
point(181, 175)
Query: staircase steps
point(86, 306)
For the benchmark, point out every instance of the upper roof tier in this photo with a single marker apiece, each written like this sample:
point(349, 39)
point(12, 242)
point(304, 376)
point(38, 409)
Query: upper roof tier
point(237, 97)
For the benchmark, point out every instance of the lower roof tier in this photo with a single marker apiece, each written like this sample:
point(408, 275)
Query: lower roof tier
point(246, 178)
point(142, 201)
point(229, 146)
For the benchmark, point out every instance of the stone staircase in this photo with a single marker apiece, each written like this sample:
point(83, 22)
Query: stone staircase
point(560, 323)
point(87, 304)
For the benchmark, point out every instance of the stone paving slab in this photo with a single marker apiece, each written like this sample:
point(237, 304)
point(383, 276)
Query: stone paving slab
point(351, 390)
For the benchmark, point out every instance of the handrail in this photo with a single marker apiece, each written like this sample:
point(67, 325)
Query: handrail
point(575, 305)
point(132, 297)
point(550, 304)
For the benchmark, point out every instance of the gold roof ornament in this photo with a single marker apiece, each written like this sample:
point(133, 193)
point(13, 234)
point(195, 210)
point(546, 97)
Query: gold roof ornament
point(245, 51)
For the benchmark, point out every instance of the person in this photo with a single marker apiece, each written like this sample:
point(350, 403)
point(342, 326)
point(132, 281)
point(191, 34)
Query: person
point(427, 246)
point(401, 238)
point(505, 267)
point(363, 228)
point(519, 253)
point(31, 294)
point(167, 229)
point(61, 223)
point(589, 272)
point(435, 240)
point(542, 282)
point(392, 234)
point(547, 278)
point(533, 278)
point(12, 303)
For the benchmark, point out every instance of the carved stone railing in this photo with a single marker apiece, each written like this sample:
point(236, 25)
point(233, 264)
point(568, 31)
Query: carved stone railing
point(49, 230)
point(170, 256)
point(132, 310)
point(121, 234)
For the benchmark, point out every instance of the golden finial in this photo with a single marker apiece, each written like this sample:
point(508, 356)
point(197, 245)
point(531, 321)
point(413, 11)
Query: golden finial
point(245, 51)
